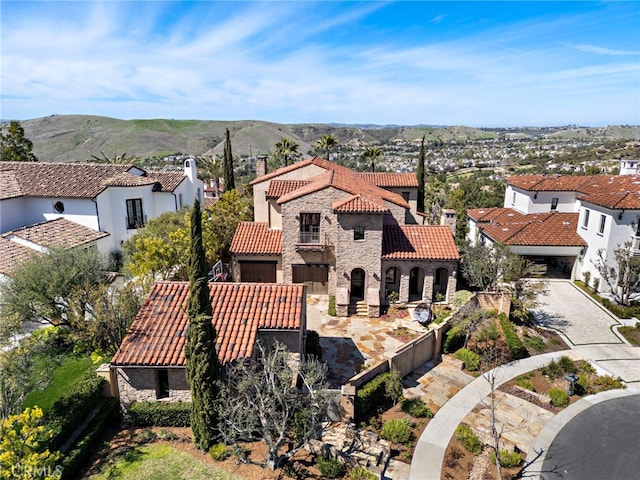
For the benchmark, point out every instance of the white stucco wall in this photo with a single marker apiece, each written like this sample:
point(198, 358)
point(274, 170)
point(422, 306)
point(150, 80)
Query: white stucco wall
point(17, 213)
point(526, 203)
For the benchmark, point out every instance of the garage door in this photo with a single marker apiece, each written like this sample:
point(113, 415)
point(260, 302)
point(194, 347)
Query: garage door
point(258, 272)
point(315, 277)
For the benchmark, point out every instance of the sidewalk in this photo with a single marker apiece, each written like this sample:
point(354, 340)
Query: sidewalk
point(430, 449)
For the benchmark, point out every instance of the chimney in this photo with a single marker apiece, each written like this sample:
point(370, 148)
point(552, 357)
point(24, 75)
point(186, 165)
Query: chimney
point(261, 165)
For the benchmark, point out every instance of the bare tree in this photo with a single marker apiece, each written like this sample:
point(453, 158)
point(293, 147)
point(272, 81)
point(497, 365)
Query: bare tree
point(624, 278)
point(260, 401)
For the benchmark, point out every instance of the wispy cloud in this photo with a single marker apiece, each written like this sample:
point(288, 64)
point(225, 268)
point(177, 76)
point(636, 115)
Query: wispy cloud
point(605, 51)
point(317, 62)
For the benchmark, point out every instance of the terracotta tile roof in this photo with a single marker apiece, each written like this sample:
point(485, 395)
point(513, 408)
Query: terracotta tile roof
point(158, 334)
point(510, 227)
point(256, 238)
point(614, 201)
point(587, 184)
point(9, 186)
point(357, 204)
point(283, 170)
point(277, 188)
point(12, 255)
point(76, 180)
point(390, 179)
point(423, 242)
point(57, 233)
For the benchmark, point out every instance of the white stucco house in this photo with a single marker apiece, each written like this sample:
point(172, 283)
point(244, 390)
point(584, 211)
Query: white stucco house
point(112, 200)
point(562, 221)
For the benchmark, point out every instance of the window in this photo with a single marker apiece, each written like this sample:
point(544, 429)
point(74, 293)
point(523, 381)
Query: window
point(59, 207)
point(358, 233)
point(603, 221)
point(513, 199)
point(585, 219)
point(554, 203)
point(162, 383)
point(135, 217)
point(405, 195)
point(180, 201)
point(309, 228)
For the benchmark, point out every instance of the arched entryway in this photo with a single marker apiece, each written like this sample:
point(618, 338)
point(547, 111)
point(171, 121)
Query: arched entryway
point(392, 281)
point(440, 283)
point(357, 284)
point(416, 284)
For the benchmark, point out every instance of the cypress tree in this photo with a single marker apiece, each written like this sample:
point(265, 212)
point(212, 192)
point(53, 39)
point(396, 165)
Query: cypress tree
point(202, 361)
point(420, 175)
point(229, 181)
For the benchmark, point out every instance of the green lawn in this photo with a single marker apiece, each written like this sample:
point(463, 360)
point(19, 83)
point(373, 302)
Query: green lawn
point(69, 370)
point(160, 462)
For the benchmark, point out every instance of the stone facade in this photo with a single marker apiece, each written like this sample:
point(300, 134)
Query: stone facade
point(136, 384)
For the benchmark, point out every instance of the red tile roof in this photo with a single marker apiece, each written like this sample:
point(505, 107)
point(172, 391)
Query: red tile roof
point(390, 179)
point(357, 204)
point(13, 254)
point(277, 188)
point(75, 180)
point(418, 242)
point(158, 334)
point(614, 201)
point(256, 238)
point(587, 184)
point(57, 233)
point(510, 227)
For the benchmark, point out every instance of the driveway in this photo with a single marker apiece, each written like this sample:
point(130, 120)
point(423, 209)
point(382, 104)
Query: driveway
point(572, 312)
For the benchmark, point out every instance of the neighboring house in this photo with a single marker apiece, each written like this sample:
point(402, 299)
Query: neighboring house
point(150, 364)
point(20, 245)
point(562, 221)
point(343, 233)
point(115, 199)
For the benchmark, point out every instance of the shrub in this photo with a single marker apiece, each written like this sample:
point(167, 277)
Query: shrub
point(534, 342)
point(607, 382)
point(76, 458)
point(159, 414)
point(330, 467)
point(393, 297)
point(514, 344)
point(461, 297)
point(454, 339)
point(219, 452)
point(164, 434)
point(526, 384)
point(587, 278)
point(469, 440)
point(559, 398)
point(397, 431)
point(583, 385)
point(508, 458)
point(552, 370)
point(567, 365)
point(371, 394)
point(361, 473)
point(471, 359)
point(313, 344)
point(416, 408)
point(73, 407)
point(331, 309)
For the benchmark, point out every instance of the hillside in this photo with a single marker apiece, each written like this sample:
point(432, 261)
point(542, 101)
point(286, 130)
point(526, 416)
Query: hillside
point(78, 137)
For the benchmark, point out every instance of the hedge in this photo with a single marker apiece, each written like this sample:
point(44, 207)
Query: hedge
point(373, 393)
point(73, 407)
point(454, 339)
point(159, 414)
point(470, 359)
point(514, 344)
point(78, 456)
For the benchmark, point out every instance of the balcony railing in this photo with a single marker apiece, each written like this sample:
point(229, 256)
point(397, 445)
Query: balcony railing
point(310, 241)
point(135, 222)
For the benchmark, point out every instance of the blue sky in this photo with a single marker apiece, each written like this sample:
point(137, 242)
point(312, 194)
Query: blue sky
point(443, 63)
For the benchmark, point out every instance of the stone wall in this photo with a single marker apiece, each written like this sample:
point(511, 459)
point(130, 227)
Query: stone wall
point(140, 385)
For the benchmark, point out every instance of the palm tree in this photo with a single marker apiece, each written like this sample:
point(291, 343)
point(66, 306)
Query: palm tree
point(371, 154)
point(286, 149)
point(326, 143)
point(211, 169)
point(116, 159)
